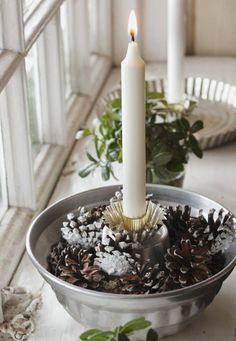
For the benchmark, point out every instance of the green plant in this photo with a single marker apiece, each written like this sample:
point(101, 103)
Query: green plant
point(121, 333)
point(169, 139)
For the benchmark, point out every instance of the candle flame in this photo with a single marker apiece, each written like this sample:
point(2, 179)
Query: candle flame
point(132, 25)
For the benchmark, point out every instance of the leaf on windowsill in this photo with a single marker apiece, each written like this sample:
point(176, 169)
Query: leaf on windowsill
point(121, 333)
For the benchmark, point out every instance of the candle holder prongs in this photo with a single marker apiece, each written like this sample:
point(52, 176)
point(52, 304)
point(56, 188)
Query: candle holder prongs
point(114, 216)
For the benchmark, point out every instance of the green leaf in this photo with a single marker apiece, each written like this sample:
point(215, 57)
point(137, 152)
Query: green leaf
point(106, 173)
point(178, 135)
point(83, 133)
point(164, 176)
point(113, 174)
point(197, 125)
point(114, 116)
point(149, 176)
point(101, 149)
point(96, 141)
point(175, 167)
point(192, 103)
point(155, 95)
point(88, 334)
point(97, 335)
point(122, 337)
point(185, 123)
point(87, 132)
point(152, 335)
point(91, 158)
point(194, 145)
point(87, 170)
point(164, 102)
point(161, 159)
point(116, 103)
point(137, 324)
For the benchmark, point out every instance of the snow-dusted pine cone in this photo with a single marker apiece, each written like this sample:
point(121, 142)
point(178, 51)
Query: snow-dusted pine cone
point(83, 228)
point(113, 261)
point(76, 267)
point(211, 232)
point(187, 263)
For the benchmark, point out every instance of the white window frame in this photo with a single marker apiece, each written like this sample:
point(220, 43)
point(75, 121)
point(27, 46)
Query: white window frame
point(3, 187)
point(29, 184)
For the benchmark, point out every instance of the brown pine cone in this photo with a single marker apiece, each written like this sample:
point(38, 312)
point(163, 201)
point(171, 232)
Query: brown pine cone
point(213, 233)
point(187, 263)
point(112, 285)
point(170, 284)
point(146, 279)
point(97, 212)
point(216, 263)
point(55, 256)
point(76, 267)
point(177, 222)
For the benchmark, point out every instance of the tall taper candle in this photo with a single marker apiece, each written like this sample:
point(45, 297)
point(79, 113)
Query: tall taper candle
point(133, 127)
point(176, 49)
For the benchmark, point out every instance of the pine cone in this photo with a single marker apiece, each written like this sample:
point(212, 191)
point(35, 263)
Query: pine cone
point(83, 228)
point(216, 263)
point(187, 264)
point(55, 256)
point(212, 232)
point(177, 221)
point(146, 279)
point(76, 267)
point(97, 212)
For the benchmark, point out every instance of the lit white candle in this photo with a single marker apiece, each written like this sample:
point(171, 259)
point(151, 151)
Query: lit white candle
point(133, 127)
point(176, 49)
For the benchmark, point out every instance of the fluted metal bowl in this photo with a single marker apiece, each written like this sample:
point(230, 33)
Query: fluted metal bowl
point(168, 311)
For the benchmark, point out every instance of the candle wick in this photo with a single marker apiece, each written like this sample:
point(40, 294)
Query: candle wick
point(132, 36)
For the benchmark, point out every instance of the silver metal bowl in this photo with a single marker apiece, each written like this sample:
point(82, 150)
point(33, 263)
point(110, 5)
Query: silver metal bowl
point(169, 311)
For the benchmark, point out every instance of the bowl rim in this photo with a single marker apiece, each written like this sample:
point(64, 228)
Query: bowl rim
point(79, 290)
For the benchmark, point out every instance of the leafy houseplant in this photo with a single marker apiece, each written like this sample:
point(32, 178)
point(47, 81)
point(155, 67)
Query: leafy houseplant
point(169, 139)
point(121, 333)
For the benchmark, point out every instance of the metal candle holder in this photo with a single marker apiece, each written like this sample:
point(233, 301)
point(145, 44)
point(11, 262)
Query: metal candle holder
point(152, 238)
point(115, 217)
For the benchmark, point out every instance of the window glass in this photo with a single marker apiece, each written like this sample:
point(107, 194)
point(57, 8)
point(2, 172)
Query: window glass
point(66, 49)
point(31, 64)
point(92, 14)
point(29, 6)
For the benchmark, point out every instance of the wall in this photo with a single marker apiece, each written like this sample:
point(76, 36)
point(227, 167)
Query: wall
point(210, 28)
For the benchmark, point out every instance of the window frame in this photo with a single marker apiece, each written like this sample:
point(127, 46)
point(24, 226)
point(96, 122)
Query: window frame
point(3, 185)
point(42, 25)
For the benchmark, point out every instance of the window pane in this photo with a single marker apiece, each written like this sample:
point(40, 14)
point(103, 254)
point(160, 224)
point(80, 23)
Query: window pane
point(92, 12)
point(3, 192)
point(31, 64)
point(29, 6)
point(66, 49)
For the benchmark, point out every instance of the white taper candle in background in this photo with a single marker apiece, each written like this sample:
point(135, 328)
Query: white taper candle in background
point(176, 50)
point(133, 128)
